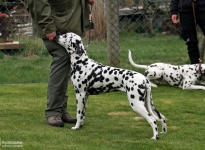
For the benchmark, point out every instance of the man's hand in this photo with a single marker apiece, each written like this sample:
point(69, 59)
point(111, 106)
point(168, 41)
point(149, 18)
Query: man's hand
point(175, 18)
point(51, 36)
point(91, 2)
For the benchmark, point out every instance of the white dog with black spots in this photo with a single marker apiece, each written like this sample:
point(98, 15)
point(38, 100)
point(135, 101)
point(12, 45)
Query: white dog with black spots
point(90, 77)
point(184, 76)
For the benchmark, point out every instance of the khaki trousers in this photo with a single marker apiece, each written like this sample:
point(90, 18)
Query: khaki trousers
point(58, 79)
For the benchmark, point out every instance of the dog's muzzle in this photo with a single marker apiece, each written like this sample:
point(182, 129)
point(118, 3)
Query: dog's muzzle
point(57, 36)
point(56, 39)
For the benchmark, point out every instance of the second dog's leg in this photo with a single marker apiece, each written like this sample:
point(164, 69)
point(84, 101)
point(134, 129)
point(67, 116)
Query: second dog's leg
point(193, 87)
point(152, 84)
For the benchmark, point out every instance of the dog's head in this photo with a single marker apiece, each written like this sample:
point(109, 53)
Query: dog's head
point(202, 67)
point(71, 42)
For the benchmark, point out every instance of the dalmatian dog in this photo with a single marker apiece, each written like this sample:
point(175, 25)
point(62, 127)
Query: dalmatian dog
point(184, 76)
point(90, 77)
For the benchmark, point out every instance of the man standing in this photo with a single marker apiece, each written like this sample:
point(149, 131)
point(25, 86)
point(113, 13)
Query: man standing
point(191, 13)
point(64, 16)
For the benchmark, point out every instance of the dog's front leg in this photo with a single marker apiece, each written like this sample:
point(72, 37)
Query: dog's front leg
point(80, 114)
point(194, 87)
point(152, 84)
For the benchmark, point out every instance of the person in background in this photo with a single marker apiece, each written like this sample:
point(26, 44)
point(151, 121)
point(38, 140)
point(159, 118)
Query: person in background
point(49, 17)
point(190, 13)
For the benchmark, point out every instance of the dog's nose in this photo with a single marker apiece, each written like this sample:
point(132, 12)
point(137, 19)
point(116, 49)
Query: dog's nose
point(57, 36)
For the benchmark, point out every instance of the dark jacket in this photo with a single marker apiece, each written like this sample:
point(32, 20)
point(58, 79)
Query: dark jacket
point(62, 15)
point(177, 6)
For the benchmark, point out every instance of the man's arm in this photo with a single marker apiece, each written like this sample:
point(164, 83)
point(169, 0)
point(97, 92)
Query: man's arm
point(174, 10)
point(40, 11)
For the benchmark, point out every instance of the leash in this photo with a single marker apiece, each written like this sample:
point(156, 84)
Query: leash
point(89, 34)
point(200, 56)
point(194, 13)
point(201, 74)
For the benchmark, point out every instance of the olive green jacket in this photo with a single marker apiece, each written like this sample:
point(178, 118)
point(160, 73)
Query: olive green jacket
point(59, 15)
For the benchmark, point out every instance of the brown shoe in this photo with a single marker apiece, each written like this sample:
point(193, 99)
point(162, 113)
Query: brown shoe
point(55, 121)
point(68, 119)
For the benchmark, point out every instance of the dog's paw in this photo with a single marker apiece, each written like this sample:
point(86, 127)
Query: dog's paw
point(153, 85)
point(155, 138)
point(164, 131)
point(74, 128)
point(77, 126)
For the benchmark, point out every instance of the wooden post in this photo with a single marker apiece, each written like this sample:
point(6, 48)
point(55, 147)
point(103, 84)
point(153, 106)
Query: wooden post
point(113, 48)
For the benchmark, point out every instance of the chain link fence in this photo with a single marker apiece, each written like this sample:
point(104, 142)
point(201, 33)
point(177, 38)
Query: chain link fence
point(142, 26)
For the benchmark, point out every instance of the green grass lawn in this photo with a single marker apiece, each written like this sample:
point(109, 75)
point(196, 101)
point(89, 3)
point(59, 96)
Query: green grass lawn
point(110, 122)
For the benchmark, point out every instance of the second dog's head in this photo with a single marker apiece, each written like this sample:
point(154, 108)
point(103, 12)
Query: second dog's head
point(71, 42)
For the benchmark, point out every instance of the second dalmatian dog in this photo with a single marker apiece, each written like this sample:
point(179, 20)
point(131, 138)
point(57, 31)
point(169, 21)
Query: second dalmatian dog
point(90, 77)
point(184, 76)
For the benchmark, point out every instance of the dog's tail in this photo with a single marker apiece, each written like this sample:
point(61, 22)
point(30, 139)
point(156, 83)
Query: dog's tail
point(149, 103)
point(153, 111)
point(132, 62)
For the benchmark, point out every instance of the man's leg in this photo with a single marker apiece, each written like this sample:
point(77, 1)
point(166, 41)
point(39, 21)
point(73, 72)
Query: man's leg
point(201, 20)
point(189, 35)
point(57, 84)
point(66, 117)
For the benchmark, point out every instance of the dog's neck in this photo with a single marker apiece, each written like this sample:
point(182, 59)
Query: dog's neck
point(74, 58)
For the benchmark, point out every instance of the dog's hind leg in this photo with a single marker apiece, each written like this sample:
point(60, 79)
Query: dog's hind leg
point(139, 108)
point(154, 112)
point(143, 112)
point(160, 118)
point(163, 123)
point(81, 100)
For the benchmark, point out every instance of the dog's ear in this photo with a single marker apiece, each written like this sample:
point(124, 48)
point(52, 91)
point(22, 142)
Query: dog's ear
point(80, 50)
